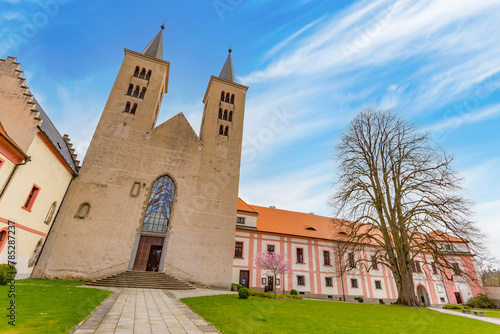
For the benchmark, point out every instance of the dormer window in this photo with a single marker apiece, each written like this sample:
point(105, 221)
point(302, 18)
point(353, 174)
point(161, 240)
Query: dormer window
point(240, 220)
point(311, 228)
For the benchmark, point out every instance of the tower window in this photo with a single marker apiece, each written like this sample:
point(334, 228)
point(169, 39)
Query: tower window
point(227, 97)
point(143, 93)
point(136, 91)
point(136, 73)
point(134, 108)
point(230, 119)
point(221, 130)
point(148, 76)
point(222, 96)
point(226, 131)
point(220, 113)
point(50, 214)
point(232, 99)
point(127, 107)
point(225, 115)
point(130, 89)
point(143, 74)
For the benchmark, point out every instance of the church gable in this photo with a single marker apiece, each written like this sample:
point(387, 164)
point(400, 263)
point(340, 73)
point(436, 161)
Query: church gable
point(175, 132)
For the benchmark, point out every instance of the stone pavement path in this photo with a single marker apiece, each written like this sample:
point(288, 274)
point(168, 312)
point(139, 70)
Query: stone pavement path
point(147, 311)
point(495, 321)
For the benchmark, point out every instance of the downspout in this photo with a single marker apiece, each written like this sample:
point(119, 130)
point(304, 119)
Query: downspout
point(341, 274)
point(11, 176)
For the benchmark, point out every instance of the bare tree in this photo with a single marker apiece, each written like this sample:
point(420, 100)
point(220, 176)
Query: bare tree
point(397, 195)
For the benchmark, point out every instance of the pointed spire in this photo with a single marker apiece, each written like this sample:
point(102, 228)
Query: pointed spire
point(227, 72)
point(155, 47)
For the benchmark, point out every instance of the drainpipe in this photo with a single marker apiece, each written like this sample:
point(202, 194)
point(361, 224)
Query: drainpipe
point(11, 176)
point(341, 274)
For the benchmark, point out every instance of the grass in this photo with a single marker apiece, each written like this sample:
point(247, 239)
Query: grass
point(487, 312)
point(48, 306)
point(261, 315)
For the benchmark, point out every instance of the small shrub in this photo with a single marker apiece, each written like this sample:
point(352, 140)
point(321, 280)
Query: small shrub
point(243, 293)
point(452, 307)
point(6, 273)
point(481, 301)
point(360, 299)
point(236, 286)
point(293, 292)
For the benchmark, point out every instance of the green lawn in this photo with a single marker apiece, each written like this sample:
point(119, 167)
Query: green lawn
point(261, 315)
point(48, 306)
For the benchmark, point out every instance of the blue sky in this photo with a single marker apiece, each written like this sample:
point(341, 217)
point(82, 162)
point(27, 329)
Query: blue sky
point(310, 65)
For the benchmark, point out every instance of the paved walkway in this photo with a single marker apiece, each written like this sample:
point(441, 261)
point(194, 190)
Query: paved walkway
point(147, 311)
point(495, 321)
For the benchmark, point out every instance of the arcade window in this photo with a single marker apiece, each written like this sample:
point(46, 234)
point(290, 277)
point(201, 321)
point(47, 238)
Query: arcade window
point(354, 283)
point(238, 250)
point(415, 267)
point(301, 280)
point(378, 285)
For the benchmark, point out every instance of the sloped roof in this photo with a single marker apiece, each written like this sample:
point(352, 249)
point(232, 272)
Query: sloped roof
point(12, 143)
point(308, 225)
point(227, 72)
point(242, 206)
point(58, 142)
point(155, 47)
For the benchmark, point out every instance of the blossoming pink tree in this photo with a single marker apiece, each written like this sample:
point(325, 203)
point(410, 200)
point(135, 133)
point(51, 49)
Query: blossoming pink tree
point(275, 263)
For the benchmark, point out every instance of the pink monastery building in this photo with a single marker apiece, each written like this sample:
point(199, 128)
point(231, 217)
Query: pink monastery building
point(313, 244)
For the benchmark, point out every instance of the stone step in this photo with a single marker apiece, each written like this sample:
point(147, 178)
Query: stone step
point(140, 279)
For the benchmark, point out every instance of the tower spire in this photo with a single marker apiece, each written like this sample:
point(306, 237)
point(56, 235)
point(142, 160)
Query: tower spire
point(227, 72)
point(155, 47)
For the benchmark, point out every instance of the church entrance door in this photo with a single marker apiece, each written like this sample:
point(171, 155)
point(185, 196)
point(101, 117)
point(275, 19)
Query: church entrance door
point(148, 253)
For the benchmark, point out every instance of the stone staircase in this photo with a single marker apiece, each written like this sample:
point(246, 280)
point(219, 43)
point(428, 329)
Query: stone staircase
point(143, 280)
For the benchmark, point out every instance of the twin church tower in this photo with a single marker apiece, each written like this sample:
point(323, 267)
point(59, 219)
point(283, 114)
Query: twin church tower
point(153, 197)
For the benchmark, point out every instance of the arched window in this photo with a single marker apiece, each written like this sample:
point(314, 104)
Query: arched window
point(226, 131)
point(36, 253)
point(227, 97)
point(136, 91)
point(143, 93)
point(220, 113)
point(83, 211)
point(230, 119)
point(127, 107)
point(143, 74)
point(136, 73)
point(130, 89)
point(221, 130)
point(50, 214)
point(161, 200)
point(225, 115)
point(222, 96)
point(232, 99)
point(134, 108)
point(148, 76)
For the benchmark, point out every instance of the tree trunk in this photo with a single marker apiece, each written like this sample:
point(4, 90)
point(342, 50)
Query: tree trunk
point(274, 286)
point(406, 288)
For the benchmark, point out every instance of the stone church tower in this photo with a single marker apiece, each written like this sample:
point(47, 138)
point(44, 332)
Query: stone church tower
point(153, 198)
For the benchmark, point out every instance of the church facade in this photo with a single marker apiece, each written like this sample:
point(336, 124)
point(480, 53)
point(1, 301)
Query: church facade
point(153, 197)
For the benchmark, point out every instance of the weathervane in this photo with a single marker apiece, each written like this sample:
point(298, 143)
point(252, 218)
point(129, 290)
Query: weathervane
point(230, 47)
point(163, 24)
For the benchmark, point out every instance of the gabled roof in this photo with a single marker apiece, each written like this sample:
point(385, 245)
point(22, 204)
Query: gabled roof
point(155, 47)
point(227, 72)
point(57, 141)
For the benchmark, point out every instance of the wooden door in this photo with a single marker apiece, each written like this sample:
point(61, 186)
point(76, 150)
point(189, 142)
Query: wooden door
point(144, 252)
point(245, 278)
